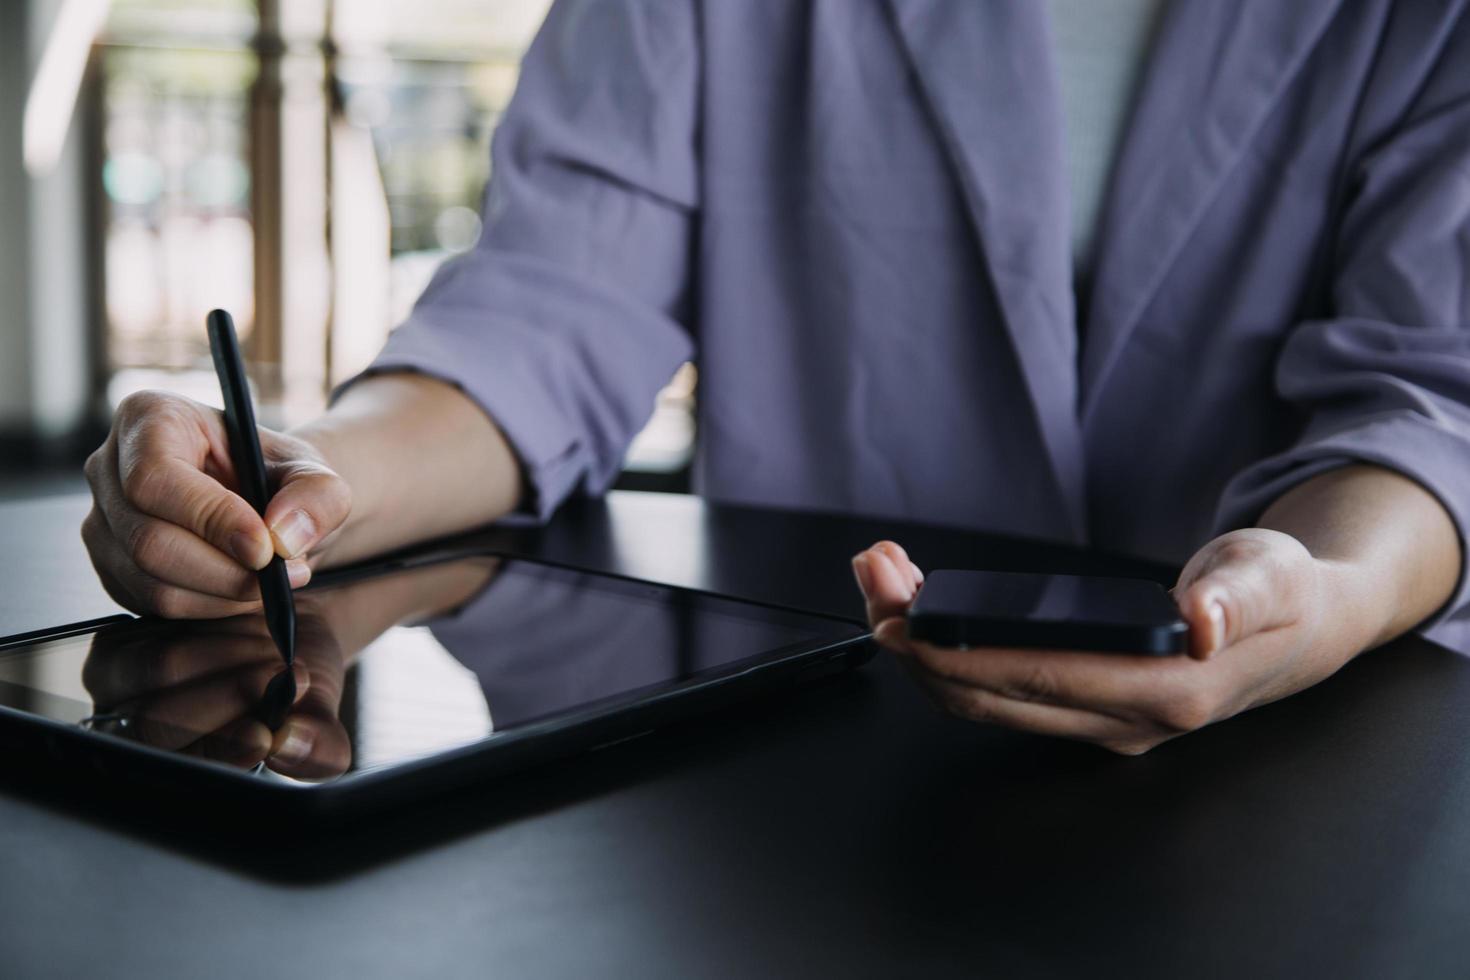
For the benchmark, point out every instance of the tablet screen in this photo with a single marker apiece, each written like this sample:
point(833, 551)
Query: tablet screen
point(400, 666)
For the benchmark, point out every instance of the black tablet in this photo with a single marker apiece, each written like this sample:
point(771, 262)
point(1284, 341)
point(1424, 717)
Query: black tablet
point(414, 678)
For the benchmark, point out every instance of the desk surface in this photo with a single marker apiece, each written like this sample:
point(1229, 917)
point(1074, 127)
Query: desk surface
point(848, 829)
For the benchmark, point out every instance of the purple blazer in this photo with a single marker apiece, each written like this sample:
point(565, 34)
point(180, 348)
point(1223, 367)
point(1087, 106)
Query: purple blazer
point(853, 214)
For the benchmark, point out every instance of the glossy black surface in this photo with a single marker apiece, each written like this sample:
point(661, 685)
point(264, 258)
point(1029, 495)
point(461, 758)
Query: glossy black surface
point(843, 830)
point(399, 668)
point(962, 607)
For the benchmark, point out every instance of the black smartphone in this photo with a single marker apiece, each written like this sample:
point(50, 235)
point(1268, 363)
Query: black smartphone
point(1059, 612)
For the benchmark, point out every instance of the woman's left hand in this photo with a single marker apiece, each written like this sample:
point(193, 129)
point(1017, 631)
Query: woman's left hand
point(1266, 619)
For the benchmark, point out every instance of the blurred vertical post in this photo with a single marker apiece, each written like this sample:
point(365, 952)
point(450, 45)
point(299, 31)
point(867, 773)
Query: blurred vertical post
point(289, 125)
point(46, 313)
point(14, 230)
point(331, 92)
point(265, 186)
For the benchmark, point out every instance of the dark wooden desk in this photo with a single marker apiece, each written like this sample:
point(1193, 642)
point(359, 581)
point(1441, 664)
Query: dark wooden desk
point(845, 830)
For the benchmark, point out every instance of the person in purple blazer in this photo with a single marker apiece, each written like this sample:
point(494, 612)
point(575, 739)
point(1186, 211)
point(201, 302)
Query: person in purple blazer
point(933, 265)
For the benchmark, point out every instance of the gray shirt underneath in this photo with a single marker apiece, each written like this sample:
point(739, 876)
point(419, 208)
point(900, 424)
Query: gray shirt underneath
point(1102, 48)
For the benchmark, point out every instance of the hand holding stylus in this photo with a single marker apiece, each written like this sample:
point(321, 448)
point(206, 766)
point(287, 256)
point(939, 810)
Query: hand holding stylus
point(168, 533)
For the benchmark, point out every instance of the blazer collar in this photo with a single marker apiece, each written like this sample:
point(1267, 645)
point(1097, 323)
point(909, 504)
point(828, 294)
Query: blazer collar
point(1216, 70)
point(985, 69)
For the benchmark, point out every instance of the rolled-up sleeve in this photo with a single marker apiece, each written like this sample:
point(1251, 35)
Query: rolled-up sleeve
point(1387, 380)
point(571, 312)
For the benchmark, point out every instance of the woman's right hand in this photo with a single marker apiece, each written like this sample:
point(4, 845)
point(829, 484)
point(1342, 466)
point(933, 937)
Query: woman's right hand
point(169, 535)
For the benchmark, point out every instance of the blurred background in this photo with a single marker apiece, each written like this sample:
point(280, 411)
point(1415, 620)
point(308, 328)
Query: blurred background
point(305, 164)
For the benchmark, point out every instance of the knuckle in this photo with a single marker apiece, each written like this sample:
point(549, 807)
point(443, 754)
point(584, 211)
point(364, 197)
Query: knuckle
point(134, 405)
point(142, 484)
point(149, 546)
point(971, 706)
point(143, 408)
point(151, 401)
point(215, 513)
point(945, 696)
point(1036, 684)
point(1187, 710)
point(170, 602)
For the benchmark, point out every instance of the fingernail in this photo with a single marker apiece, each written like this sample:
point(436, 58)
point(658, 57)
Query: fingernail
point(293, 533)
point(863, 573)
point(295, 747)
point(904, 582)
point(298, 572)
point(1217, 626)
point(249, 550)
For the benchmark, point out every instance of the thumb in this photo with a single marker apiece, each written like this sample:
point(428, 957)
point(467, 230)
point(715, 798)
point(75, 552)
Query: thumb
point(1236, 586)
point(311, 501)
point(888, 587)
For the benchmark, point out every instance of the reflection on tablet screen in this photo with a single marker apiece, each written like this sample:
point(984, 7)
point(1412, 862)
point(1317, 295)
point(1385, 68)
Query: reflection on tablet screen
point(397, 667)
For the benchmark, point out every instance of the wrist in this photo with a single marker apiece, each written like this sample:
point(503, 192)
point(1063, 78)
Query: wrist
point(1389, 549)
point(1356, 613)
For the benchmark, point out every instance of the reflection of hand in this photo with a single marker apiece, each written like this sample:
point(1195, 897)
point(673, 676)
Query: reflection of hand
point(1255, 600)
point(197, 688)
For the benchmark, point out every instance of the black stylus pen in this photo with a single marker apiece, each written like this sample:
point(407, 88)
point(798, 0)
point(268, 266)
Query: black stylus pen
point(275, 584)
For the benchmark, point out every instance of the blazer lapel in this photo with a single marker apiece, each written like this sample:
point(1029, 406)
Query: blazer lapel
point(1216, 71)
point(985, 69)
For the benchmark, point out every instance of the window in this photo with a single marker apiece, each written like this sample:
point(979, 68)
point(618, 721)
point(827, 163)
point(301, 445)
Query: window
point(306, 164)
point(176, 79)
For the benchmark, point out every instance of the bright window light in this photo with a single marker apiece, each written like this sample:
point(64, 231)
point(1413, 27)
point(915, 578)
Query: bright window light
point(53, 94)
